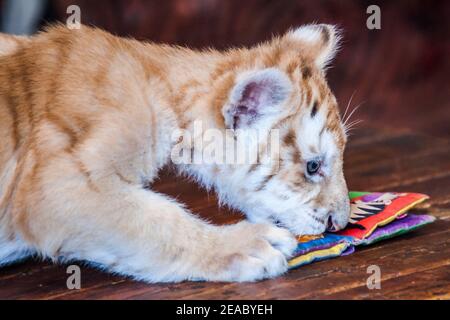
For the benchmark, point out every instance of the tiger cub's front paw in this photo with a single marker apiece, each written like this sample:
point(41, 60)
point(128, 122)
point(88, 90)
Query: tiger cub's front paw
point(251, 252)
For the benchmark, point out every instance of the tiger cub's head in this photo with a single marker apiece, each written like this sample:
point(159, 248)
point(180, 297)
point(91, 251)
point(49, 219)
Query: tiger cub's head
point(282, 88)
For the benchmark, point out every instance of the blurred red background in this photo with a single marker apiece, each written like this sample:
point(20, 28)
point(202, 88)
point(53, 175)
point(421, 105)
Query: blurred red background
point(400, 73)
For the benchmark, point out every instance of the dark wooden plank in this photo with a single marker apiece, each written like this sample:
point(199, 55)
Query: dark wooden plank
point(371, 135)
point(392, 147)
point(382, 174)
point(426, 284)
point(42, 280)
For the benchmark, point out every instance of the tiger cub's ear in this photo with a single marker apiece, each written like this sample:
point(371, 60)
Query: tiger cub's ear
point(255, 96)
point(321, 41)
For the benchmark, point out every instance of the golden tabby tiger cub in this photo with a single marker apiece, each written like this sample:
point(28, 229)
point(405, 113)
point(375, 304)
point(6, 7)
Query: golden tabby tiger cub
point(87, 119)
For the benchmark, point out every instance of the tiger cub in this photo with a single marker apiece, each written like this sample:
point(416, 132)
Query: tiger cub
point(87, 119)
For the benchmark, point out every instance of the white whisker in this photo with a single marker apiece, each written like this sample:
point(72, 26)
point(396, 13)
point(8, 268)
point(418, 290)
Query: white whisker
point(351, 126)
point(348, 105)
point(352, 113)
point(354, 123)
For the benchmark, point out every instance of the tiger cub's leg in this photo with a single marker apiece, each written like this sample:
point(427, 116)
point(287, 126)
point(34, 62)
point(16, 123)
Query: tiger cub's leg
point(140, 233)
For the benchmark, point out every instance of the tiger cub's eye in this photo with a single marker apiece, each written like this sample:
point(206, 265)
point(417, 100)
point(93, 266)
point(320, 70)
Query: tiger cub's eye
point(313, 167)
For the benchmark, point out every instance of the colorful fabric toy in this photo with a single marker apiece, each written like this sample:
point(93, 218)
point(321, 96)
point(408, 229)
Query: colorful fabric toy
point(374, 217)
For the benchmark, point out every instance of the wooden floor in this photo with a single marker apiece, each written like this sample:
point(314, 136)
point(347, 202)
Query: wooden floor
point(413, 266)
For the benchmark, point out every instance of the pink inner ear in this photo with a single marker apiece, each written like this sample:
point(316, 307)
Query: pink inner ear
point(258, 94)
point(256, 98)
point(252, 95)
